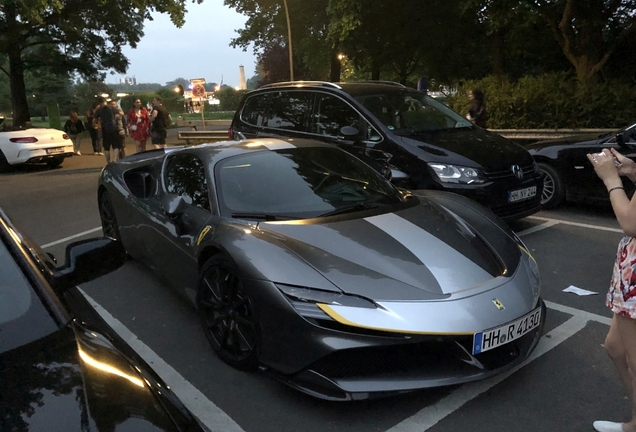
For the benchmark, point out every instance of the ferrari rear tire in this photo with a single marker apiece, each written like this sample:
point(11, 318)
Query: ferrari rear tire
point(553, 188)
point(227, 315)
point(110, 226)
point(54, 162)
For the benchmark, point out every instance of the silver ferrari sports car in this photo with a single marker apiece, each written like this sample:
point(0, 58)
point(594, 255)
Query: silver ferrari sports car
point(305, 262)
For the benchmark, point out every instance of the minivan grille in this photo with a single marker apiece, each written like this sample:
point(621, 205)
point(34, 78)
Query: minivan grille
point(528, 170)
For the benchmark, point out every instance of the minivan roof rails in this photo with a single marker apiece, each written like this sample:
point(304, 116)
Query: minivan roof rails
point(302, 83)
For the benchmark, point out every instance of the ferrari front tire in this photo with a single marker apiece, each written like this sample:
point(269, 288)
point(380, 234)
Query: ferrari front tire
point(227, 315)
point(110, 226)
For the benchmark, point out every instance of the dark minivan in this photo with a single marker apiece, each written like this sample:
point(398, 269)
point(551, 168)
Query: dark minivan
point(413, 139)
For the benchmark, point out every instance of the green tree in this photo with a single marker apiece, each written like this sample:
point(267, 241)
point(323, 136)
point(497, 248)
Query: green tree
point(587, 32)
point(266, 31)
point(72, 35)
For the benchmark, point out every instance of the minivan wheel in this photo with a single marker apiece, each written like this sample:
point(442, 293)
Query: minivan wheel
point(553, 189)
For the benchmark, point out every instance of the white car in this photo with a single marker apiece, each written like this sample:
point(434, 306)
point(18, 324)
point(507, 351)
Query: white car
point(34, 145)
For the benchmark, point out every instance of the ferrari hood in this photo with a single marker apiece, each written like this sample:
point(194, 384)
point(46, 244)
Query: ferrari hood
point(424, 252)
point(73, 380)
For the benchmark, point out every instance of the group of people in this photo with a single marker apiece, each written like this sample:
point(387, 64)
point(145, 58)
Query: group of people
point(109, 126)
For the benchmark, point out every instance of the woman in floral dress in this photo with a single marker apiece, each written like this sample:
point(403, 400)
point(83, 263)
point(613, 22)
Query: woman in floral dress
point(139, 125)
point(620, 342)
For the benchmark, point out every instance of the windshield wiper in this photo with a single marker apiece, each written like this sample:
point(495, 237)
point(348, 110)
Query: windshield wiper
point(262, 216)
point(351, 208)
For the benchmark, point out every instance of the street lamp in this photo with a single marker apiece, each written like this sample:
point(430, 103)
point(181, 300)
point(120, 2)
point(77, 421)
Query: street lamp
point(289, 43)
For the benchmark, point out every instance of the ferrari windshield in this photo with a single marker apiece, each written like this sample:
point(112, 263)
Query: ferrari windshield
point(409, 112)
point(298, 183)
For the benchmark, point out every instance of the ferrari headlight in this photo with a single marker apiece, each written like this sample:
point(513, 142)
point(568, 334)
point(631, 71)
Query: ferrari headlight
point(310, 295)
point(448, 173)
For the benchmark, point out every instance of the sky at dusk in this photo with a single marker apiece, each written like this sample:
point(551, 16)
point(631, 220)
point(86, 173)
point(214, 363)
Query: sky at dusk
point(199, 49)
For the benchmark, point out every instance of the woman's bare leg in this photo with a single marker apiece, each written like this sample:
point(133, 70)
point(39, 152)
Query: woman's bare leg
point(627, 330)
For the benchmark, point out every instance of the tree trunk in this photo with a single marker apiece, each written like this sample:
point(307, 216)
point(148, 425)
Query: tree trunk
point(16, 70)
point(19, 104)
point(498, 54)
point(375, 69)
point(336, 65)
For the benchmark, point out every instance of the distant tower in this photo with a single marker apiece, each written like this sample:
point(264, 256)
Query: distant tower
point(242, 82)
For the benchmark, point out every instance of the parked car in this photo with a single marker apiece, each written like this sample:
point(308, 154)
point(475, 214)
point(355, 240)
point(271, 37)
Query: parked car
point(568, 174)
point(304, 260)
point(34, 145)
point(417, 141)
point(62, 368)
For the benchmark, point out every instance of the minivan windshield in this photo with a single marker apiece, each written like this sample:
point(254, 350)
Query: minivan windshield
point(408, 112)
point(300, 183)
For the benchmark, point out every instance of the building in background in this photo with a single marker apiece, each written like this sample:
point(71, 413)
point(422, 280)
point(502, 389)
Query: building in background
point(242, 81)
point(128, 80)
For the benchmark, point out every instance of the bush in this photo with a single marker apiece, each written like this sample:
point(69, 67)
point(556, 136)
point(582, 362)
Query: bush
point(551, 101)
point(229, 98)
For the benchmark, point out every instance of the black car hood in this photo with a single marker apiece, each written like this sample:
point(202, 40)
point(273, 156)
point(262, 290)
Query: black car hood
point(73, 380)
point(583, 140)
point(412, 254)
point(474, 147)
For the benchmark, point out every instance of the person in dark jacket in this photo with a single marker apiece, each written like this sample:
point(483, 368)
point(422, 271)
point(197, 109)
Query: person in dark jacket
point(73, 127)
point(477, 112)
point(92, 126)
point(107, 115)
point(159, 121)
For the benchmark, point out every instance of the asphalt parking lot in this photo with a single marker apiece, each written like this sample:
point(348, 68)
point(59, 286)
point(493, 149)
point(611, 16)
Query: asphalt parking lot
point(566, 384)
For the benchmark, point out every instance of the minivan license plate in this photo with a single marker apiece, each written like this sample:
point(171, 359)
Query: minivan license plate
point(522, 194)
point(493, 338)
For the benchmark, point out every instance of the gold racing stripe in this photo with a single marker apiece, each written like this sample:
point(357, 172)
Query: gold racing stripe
point(342, 320)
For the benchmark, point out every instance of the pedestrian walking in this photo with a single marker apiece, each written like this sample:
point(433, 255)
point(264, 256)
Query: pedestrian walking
point(112, 139)
point(159, 120)
point(92, 127)
point(122, 127)
point(73, 127)
point(477, 112)
point(139, 125)
point(620, 342)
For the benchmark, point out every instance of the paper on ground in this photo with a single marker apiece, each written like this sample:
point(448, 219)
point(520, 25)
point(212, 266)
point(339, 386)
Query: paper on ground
point(578, 291)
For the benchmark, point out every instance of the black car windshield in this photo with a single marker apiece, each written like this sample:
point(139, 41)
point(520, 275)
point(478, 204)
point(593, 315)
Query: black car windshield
point(23, 318)
point(410, 112)
point(299, 183)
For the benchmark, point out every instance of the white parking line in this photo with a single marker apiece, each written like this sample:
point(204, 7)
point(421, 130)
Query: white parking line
point(209, 414)
point(64, 240)
point(577, 224)
point(433, 414)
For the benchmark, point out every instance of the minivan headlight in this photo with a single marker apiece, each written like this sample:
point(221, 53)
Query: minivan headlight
point(448, 173)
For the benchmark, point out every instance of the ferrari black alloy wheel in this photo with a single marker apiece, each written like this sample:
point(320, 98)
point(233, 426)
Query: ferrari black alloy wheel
point(553, 189)
point(226, 314)
point(107, 215)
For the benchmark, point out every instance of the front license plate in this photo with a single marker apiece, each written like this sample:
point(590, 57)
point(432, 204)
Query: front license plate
point(493, 338)
point(522, 194)
point(54, 150)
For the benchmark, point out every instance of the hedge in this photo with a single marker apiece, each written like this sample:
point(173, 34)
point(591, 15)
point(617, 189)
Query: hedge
point(551, 101)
